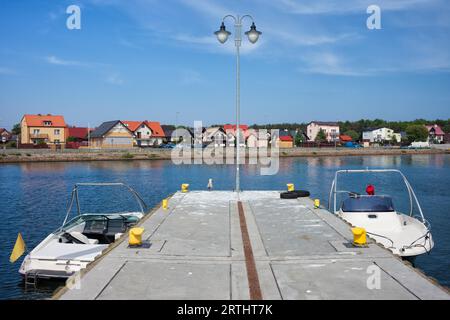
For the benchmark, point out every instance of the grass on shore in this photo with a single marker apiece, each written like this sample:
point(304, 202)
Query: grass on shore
point(127, 156)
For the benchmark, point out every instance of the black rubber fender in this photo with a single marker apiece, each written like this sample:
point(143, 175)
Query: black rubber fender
point(294, 194)
point(302, 193)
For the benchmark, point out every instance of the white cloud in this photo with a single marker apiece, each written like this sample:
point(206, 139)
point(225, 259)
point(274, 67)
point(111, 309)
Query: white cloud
point(300, 39)
point(60, 62)
point(340, 47)
point(210, 43)
point(328, 63)
point(348, 6)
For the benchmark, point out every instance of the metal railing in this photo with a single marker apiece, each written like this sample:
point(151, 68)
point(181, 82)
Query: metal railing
point(75, 199)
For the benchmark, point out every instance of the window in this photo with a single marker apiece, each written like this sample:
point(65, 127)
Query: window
point(57, 141)
point(56, 132)
point(36, 131)
point(47, 123)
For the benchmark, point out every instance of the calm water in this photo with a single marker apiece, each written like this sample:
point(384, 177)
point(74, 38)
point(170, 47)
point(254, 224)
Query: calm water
point(33, 197)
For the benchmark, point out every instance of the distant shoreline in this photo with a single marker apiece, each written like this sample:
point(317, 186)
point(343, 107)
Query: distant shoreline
point(26, 156)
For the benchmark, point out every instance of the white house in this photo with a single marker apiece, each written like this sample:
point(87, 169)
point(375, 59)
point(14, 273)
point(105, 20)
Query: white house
point(215, 135)
point(146, 133)
point(381, 135)
point(331, 130)
point(256, 139)
point(435, 134)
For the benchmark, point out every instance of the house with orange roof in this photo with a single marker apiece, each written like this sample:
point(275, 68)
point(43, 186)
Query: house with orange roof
point(146, 133)
point(43, 128)
point(158, 134)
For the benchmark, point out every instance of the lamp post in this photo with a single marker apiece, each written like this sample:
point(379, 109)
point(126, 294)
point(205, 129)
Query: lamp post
point(222, 35)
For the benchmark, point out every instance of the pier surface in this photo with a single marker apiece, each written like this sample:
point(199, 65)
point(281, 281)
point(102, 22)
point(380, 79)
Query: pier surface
point(208, 246)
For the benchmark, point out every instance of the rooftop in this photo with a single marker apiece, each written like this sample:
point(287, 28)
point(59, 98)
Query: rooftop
point(325, 123)
point(437, 129)
point(48, 120)
point(79, 132)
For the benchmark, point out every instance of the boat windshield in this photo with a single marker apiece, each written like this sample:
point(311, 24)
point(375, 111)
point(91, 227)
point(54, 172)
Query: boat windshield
point(368, 204)
point(98, 218)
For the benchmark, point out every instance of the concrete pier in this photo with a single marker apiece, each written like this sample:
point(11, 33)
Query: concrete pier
point(206, 246)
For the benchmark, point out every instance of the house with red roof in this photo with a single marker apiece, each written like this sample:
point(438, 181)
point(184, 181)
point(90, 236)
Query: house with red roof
point(40, 128)
point(230, 131)
point(78, 134)
point(285, 141)
point(345, 138)
point(435, 134)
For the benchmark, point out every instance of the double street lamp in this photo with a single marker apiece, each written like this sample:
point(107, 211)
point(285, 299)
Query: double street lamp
point(222, 35)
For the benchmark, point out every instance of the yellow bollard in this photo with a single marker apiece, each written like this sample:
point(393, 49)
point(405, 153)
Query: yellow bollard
point(316, 203)
point(165, 204)
point(290, 187)
point(359, 236)
point(185, 187)
point(135, 236)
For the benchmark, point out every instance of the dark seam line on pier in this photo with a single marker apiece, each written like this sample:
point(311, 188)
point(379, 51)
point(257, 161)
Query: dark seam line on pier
point(252, 273)
point(393, 278)
point(110, 280)
point(276, 281)
point(231, 281)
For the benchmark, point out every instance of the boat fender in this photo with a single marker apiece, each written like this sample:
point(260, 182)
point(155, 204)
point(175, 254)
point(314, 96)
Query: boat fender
point(294, 194)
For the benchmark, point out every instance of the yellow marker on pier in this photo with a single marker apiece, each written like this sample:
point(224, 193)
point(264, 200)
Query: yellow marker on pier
point(185, 187)
point(359, 236)
point(316, 204)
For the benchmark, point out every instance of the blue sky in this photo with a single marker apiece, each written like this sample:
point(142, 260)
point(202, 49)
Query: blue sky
point(149, 59)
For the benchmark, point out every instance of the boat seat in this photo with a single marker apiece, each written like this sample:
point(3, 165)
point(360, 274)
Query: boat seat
point(82, 238)
point(116, 226)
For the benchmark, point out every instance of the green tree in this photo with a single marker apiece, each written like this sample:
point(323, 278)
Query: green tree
point(16, 129)
point(353, 134)
point(416, 132)
point(299, 139)
point(321, 136)
point(446, 128)
point(71, 139)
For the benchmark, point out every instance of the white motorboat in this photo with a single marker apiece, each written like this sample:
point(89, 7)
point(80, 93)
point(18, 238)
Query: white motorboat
point(406, 235)
point(79, 241)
